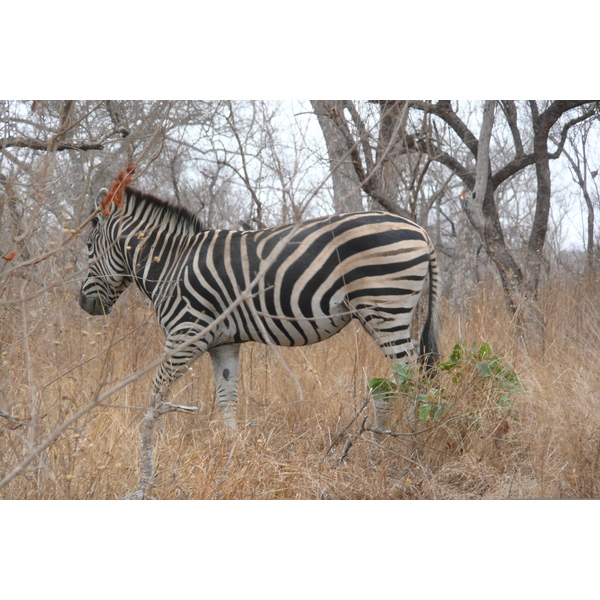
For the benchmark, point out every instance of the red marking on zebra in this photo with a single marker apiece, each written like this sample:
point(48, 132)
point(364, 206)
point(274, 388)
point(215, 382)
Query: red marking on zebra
point(115, 194)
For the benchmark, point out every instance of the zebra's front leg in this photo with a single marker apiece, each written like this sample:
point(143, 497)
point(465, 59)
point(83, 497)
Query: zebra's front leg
point(225, 360)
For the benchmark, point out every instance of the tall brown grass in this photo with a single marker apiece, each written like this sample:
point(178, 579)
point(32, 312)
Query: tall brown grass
point(303, 411)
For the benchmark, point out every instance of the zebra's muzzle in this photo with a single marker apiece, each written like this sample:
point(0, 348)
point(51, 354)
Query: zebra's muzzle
point(93, 305)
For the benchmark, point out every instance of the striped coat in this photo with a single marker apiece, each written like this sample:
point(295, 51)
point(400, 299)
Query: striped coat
point(316, 278)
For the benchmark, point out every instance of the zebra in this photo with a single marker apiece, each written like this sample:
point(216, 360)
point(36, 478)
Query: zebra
point(303, 283)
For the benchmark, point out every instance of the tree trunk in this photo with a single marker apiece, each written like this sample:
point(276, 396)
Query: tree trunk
point(391, 131)
point(483, 215)
point(346, 186)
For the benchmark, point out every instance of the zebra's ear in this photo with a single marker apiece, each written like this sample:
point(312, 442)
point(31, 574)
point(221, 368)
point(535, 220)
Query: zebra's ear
point(97, 202)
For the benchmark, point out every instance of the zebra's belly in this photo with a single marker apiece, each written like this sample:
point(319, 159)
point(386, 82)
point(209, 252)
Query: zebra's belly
point(294, 331)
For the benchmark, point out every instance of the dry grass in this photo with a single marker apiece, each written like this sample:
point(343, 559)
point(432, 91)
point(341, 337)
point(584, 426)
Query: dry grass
point(298, 403)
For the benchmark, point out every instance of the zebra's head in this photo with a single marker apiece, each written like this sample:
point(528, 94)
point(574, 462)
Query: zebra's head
point(107, 276)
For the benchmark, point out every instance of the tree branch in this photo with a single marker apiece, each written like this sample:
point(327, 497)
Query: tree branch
point(363, 134)
point(565, 130)
point(520, 162)
point(511, 168)
point(443, 109)
point(428, 148)
point(34, 144)
point(509, 109)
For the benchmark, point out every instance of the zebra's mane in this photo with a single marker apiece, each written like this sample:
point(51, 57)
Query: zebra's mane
point(178, 214)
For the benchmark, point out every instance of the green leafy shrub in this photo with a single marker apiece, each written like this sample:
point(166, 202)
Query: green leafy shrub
point(497, 378)
point(476, 369)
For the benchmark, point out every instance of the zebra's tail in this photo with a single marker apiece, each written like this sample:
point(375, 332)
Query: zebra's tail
point(429, 350)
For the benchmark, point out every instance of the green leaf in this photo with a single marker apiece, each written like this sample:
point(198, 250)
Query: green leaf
point(380, 384)
point(424, 412)
point(453, 360)
point(404, 375)
point(504, 402)
point(381, 389)
point(484, 369)
point(485, 352)
point(438, 411)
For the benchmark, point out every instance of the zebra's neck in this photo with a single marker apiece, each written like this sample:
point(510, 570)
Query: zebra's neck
point(153, 235)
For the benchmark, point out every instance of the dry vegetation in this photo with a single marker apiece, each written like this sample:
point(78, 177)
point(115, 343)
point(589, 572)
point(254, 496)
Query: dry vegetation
point(304, 409)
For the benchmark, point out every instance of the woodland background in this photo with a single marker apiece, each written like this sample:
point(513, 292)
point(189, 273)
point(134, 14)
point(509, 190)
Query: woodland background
point(509, 193)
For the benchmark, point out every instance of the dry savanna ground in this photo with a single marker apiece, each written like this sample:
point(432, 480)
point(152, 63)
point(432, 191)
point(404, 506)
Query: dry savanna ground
point(474, 432)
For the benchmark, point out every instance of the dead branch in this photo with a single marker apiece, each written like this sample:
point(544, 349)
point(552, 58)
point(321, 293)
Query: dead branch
point(35, 144)
point(11, 419)
point(341, 433)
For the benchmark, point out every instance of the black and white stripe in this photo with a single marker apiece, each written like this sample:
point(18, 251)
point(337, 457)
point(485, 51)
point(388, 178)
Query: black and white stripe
point(371, 266)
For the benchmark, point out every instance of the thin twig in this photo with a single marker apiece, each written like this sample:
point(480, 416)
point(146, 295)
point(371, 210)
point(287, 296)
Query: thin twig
point(11, 419)
point(341, 433)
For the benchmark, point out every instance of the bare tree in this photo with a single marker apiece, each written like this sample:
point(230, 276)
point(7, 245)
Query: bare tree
point(520, 283)
point(584, 176)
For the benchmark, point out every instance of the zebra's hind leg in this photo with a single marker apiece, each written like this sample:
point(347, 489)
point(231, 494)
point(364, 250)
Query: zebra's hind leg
point(385, 400)
point(225, 360)
point(390, 328)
